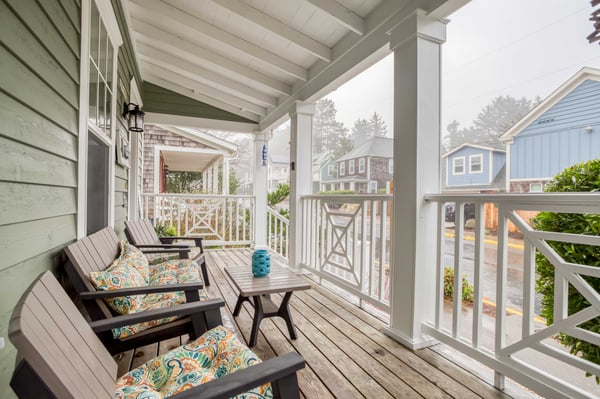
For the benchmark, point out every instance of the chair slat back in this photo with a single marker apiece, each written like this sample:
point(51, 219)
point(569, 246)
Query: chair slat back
point(141, 232)
point(91, 254)
point(59, 345)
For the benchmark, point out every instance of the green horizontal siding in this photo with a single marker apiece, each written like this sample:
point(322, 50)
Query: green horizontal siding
point(39, 101)
point(162, 101)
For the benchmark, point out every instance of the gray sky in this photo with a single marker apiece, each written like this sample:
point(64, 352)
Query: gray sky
point(494, 47)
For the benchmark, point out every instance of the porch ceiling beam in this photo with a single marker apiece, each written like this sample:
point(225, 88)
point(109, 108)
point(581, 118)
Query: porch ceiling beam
point(277, 27)
point(200, 88)
point(173, 44)
point(341, 14)
point(179, 20)
point(351, 56)
point(199, 123)
point(200, 74)
point(184, 91)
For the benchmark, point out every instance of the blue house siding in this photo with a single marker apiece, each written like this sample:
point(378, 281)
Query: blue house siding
point(499, 159)
point(559, 137)
point(468, 179)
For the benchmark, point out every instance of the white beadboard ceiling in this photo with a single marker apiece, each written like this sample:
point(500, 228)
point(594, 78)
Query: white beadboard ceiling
point(256, 58)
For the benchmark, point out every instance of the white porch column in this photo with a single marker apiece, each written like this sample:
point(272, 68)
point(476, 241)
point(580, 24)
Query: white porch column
point(226, 175)
point(260, 189)
point(301, 125)
point(416, 43)
point(215, 171)
point(205, 181)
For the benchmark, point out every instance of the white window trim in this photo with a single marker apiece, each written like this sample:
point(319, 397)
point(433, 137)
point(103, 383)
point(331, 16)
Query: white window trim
point(109, 20)
point(471, 157)
point(391, 166)
point(454, 166)
point(351, 167)
point(370, 190)
point(535, 184)
point(330, 169)
point(342, 169)
point(361, 165)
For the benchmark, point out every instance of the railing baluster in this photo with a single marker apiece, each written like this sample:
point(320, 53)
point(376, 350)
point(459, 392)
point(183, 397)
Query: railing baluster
point(383, 247)
point(528, 287)
point(501, 276)
point(459, 223)
point(477, 273)
point(439, 272)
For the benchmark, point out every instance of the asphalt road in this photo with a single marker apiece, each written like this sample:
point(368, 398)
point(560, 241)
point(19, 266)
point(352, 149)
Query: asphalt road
point(514, 275)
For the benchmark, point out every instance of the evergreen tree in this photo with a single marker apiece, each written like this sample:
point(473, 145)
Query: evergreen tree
point(377, 126)
point(361, 131)
point(327, 131)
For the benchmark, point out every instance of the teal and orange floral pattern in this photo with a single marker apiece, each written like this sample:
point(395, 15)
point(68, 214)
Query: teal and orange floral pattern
point(131, 269)
point(134, 258)
point(215, 354)
point(120, 275)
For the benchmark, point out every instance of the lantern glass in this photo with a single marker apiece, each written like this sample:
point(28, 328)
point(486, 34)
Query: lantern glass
point(135, 118)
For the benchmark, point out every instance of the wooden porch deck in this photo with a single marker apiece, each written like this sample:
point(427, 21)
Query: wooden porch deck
point(346, 352)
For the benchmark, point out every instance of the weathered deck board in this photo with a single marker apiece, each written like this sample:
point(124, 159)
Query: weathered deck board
point(346, 351)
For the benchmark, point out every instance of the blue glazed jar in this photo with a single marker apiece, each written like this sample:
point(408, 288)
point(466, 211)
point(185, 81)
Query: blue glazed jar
point(261, 263)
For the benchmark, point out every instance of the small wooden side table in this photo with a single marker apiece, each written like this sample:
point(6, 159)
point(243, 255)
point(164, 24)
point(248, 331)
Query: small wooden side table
point(259, 289)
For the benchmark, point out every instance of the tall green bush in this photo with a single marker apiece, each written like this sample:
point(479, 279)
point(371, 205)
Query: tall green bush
point(577, 178)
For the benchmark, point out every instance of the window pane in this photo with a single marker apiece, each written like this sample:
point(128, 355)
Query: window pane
point(107, 108)
point(93, 96)
point(101, 102)
point(109, 64)
point(94, 33)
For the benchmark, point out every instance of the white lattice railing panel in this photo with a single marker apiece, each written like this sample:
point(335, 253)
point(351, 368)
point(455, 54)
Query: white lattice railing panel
point(346, 242)
point(511, 338)
point(222, 220)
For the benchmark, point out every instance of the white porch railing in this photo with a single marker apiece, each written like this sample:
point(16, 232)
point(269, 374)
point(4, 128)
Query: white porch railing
point(346, 241)
point(222, 220)
point(277, 234)
point(512, 340)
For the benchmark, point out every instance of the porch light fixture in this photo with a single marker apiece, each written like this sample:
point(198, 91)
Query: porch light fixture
point(134, 116)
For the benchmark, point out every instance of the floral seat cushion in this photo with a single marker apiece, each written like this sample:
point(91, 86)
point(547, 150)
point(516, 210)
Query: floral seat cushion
point(215, 354)
point(132, 270)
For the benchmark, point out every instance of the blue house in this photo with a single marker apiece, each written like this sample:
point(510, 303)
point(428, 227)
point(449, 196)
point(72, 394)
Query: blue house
point(562, 130)
point(474, 168)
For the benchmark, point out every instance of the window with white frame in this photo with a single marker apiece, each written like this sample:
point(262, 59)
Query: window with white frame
point(361, 165)
point(476, 163)
point(458, 166)
point(390, 166)
point(373, 186)
point(330, 170)
point(101, 75)
point(100, 41)
point(536, 187)
point(342, 169)
point(351, 167)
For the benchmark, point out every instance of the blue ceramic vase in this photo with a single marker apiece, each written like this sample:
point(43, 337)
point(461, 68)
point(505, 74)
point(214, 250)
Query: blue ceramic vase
point(261, 263)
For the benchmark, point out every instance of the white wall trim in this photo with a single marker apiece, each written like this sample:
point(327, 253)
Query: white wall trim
point(202, 123)
point(480, 156)
point(110, 22)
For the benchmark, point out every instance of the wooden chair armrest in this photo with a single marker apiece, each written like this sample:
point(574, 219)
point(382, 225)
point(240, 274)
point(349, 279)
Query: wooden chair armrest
point(151, 289)
point(280, 371)
point(184, 309)
point(170, 239)
point(166, 246)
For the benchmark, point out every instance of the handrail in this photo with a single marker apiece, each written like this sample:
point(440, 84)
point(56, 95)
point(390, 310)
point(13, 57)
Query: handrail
point(278, 232)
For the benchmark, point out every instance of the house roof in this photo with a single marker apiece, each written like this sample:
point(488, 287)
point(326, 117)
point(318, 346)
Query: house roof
point(375, 146)
point(482, 147)
point(257, 59)
point(554, 97)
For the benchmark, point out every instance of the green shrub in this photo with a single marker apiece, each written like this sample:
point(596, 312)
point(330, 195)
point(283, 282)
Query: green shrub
point(581, 177)
point(165, 231)
point(467, 288)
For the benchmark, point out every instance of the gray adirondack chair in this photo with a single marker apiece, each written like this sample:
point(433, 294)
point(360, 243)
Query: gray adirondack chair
point(62, 358)
point(141, 233)
point(95, 253)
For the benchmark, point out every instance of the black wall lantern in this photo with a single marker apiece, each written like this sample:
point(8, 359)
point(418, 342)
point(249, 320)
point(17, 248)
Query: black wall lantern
point(134, 116)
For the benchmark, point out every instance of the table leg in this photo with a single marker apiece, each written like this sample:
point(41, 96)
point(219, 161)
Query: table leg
point(238, 305)
point(259, 314)
point(284, 312)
